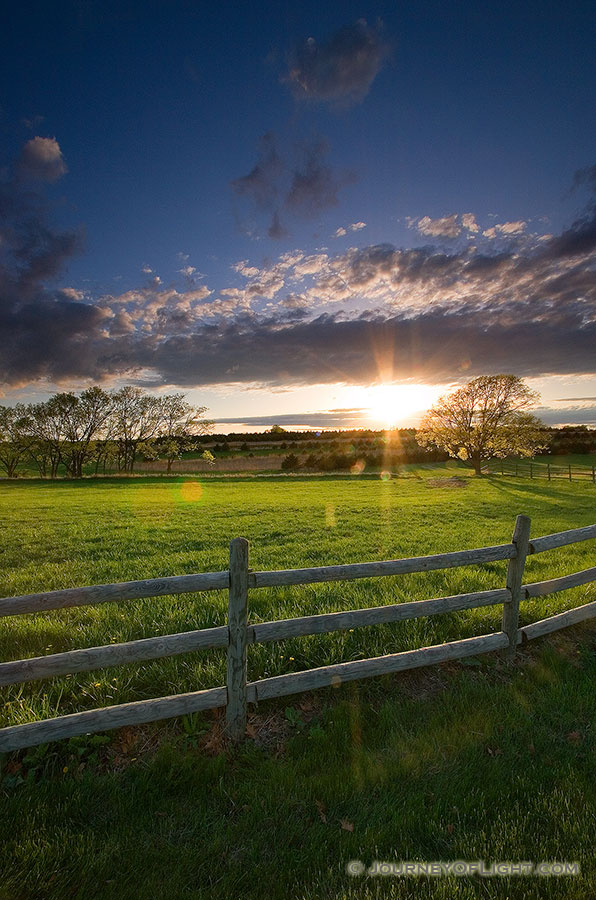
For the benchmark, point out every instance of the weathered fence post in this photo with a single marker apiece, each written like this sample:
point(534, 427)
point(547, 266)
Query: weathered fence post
point(237, 619)
point(548, 470)
point(569, 471)
point(515, 574)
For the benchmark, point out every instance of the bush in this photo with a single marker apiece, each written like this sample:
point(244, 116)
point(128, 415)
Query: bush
point(290, 462)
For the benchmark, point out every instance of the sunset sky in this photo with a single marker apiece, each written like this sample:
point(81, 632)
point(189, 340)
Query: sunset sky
point(310, 214)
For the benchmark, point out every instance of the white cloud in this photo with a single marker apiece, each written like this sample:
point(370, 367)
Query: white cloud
point(506, 228)
point(41, 158)
point(468, 221)
point(447, 226)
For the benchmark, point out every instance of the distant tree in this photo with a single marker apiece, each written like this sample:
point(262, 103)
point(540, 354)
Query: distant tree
point(179, 423)
point(277, 429)
point(136, 418)
point(81, 421)
point(13, 431)
point(290, 462)
point(45, 430)
point(208, 457)
point(486, 418)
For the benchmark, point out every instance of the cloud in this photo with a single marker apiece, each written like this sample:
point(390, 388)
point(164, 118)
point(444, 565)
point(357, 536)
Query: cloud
point(468, 221)
point(376, 312)
point(260, 185)
point(335, 418)
point(315, 185)
point(276, 229)
point(343, 230)
point(572, 415)
point(585, 176)
point(447, 227)
point(303, 184)
point(41, 159)
point(505, 228)
point(341, 71)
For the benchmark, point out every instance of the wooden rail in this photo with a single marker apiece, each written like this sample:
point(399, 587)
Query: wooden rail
point(239, 633)
point(526, 468)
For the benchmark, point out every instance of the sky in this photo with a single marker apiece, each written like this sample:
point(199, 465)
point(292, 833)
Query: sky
point(316, 215)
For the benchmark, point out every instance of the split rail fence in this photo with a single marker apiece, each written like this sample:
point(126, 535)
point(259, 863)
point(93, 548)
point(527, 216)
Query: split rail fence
point(524, 468)
point(238, 634)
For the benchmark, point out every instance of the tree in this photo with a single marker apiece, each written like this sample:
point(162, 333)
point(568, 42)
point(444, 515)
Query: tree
point(486, 418)
point(13, 443)
point(82, 420)
point(136, 418)
point(180, 421)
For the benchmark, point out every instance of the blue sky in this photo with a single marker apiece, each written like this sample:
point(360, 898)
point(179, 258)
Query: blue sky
point(280, 208)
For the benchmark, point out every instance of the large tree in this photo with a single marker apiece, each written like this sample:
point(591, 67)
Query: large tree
point(486, 418)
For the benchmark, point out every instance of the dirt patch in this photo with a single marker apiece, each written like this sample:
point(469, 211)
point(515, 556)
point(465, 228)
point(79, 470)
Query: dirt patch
point(454, 482)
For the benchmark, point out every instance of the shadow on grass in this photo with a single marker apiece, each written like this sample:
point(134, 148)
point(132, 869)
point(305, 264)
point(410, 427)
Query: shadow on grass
point(478, 761)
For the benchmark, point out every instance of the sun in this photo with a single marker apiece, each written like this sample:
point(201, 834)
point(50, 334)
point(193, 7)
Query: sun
point(392, 404)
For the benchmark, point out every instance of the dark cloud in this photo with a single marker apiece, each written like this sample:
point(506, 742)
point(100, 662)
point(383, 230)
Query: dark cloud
point(315, 185)
point(340, 71)
point(572, 415)
point(303, 184)
point(434, 346)
point(44, 332)
point(276, 229)
point(585, 176)
point(332, 419)
point(261, 183)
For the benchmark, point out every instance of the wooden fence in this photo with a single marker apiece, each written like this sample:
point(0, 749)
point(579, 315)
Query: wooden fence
point(529, 468)
point(238, 634)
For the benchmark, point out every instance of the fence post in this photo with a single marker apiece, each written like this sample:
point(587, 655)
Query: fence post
point(593, 475)
point(570, 472)
point(548, 470)
point(515, 574)
point(237, 626)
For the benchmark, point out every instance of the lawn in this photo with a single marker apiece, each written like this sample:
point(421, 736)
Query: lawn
point(478, 761)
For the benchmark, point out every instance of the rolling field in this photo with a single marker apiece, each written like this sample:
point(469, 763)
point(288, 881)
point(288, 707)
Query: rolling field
point(476, 761)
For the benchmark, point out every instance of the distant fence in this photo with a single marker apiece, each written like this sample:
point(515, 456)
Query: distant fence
point(238, 634)
point(525, 468)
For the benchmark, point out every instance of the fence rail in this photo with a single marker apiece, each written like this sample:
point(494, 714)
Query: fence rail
point(532, 469)
point(239, 634)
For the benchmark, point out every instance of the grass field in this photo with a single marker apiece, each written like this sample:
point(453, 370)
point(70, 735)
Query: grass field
point(478, 761)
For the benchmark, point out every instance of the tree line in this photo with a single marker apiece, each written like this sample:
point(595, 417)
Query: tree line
point(98, 429)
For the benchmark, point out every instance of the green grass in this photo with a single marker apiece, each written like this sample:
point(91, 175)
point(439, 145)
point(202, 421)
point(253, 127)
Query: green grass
point(461, 762)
